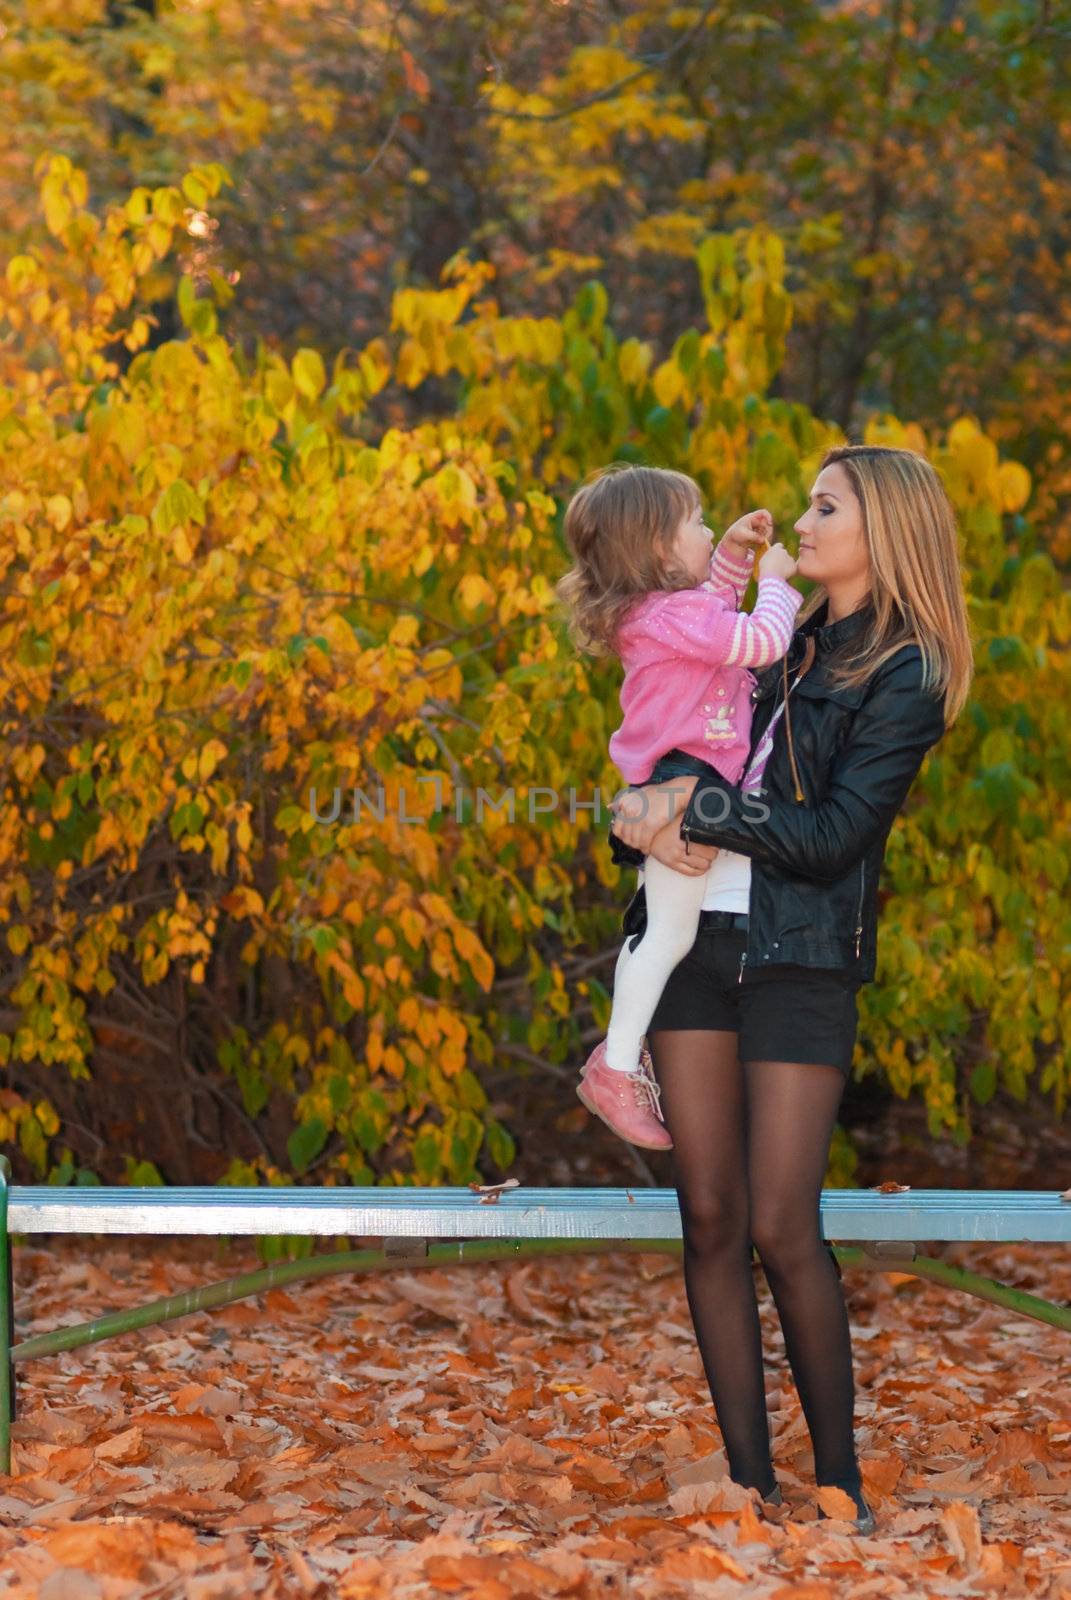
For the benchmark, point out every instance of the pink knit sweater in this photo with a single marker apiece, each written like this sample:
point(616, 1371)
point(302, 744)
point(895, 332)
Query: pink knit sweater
point(686, 655)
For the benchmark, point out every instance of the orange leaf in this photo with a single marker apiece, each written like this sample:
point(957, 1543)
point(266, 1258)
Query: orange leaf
point(417, 80)
point(836, 1502)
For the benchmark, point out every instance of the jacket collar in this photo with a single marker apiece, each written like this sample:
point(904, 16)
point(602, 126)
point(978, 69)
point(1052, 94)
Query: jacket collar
point(829, 636)
point(821, 636)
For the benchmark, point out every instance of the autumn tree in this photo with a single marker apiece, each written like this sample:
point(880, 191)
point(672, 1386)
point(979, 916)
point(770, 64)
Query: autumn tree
point(910, 154)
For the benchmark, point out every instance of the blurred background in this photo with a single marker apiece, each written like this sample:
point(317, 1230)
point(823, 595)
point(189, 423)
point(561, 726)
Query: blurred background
point(313, 314)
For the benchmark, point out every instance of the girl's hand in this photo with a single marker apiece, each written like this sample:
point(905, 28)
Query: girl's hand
point(777, 562)
point(669, 848)
point(753, 529)
point(641, 814)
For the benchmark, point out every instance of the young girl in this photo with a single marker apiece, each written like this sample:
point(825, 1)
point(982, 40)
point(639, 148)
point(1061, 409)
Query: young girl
point(647, 587)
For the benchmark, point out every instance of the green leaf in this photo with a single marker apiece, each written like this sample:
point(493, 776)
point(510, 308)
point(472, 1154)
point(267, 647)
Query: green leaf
point(465, 1136)
point(983, 1082)
point(470, 1090)
point(365, 1130)
point(592, 303)
point(687, 352)
point(252, 1084)
point(32, 1144)
point(306, 1142)
point(500, 1145)
point(427, 1153)
point(1011, 653)
point(142, 1174)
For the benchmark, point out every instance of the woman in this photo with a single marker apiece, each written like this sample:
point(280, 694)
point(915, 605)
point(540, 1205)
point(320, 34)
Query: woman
point(754, 1034)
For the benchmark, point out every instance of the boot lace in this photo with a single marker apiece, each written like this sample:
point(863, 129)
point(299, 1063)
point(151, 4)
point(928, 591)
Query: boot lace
point(646, 1089)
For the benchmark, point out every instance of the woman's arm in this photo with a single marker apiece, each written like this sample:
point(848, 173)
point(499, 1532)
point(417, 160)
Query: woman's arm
point(890, 735)
point(869, 781)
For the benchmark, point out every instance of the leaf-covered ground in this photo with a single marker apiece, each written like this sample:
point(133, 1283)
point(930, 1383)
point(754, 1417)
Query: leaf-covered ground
point(538, 1429)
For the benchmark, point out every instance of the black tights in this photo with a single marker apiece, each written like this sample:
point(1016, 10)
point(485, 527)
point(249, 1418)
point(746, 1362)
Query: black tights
point(750, 1148)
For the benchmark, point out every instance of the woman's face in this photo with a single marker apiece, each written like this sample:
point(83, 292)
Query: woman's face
point(693, 543)
point(833, 548)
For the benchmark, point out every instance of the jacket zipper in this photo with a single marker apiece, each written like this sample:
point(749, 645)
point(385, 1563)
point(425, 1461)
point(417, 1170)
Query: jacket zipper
point(685, 834)
point(862, 871)
point(756, 739)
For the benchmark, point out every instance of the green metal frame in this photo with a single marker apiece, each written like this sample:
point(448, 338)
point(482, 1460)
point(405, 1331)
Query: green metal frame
point(410, 1253)
point(7, 1325)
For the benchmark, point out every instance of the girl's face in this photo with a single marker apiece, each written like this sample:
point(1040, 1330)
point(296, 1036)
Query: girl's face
point(832, 541)
point(693, 543)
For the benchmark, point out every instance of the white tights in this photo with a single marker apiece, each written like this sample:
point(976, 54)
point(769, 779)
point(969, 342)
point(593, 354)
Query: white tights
point(674, 901)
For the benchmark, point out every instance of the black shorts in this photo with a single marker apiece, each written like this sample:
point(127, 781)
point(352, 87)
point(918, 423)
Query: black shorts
point(781, 1013)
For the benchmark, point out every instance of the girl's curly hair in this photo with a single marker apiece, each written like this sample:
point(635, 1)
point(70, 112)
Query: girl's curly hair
point(620, 526)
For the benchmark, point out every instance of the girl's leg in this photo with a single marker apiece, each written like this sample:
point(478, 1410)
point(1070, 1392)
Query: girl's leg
point(704, 1106)
point(792, 1108)
point(673, 904)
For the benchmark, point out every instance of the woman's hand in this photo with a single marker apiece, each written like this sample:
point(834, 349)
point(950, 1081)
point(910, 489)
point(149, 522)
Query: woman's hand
point(693, 860)
point(641, 814)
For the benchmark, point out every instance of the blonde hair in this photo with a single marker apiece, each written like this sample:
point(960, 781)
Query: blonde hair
point(614, 525)
point(909, 524)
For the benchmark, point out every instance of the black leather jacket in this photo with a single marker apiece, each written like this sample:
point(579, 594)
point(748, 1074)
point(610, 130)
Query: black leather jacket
point(815, 864)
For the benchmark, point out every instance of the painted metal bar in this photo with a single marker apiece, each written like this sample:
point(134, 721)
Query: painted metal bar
point(970, 1216)
point(472, 1253)
point(7, 1371)
point(464, 1252)
point(1000, 1294)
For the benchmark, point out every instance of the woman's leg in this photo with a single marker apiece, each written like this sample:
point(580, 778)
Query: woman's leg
point(673, 905)
point(703, 1103)
point(792, 1109)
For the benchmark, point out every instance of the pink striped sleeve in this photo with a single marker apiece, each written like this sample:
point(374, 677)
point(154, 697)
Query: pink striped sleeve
point(763, 635)
point(729, 574)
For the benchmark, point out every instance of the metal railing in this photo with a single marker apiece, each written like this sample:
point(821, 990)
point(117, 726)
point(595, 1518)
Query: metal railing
point(878, 1230)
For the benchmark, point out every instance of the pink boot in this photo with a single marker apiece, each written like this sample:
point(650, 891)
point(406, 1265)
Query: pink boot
point(626, 1101)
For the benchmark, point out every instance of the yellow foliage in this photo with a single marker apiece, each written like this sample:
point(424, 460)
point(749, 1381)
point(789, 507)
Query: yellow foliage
point(220, 599)
point(474, 591)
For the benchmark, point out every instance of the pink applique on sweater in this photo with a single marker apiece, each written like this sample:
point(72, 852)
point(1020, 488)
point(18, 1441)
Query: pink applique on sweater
point(687, 655)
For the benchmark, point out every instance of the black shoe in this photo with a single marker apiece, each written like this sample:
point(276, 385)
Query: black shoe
point(772, 1498)
point(864, 1522)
